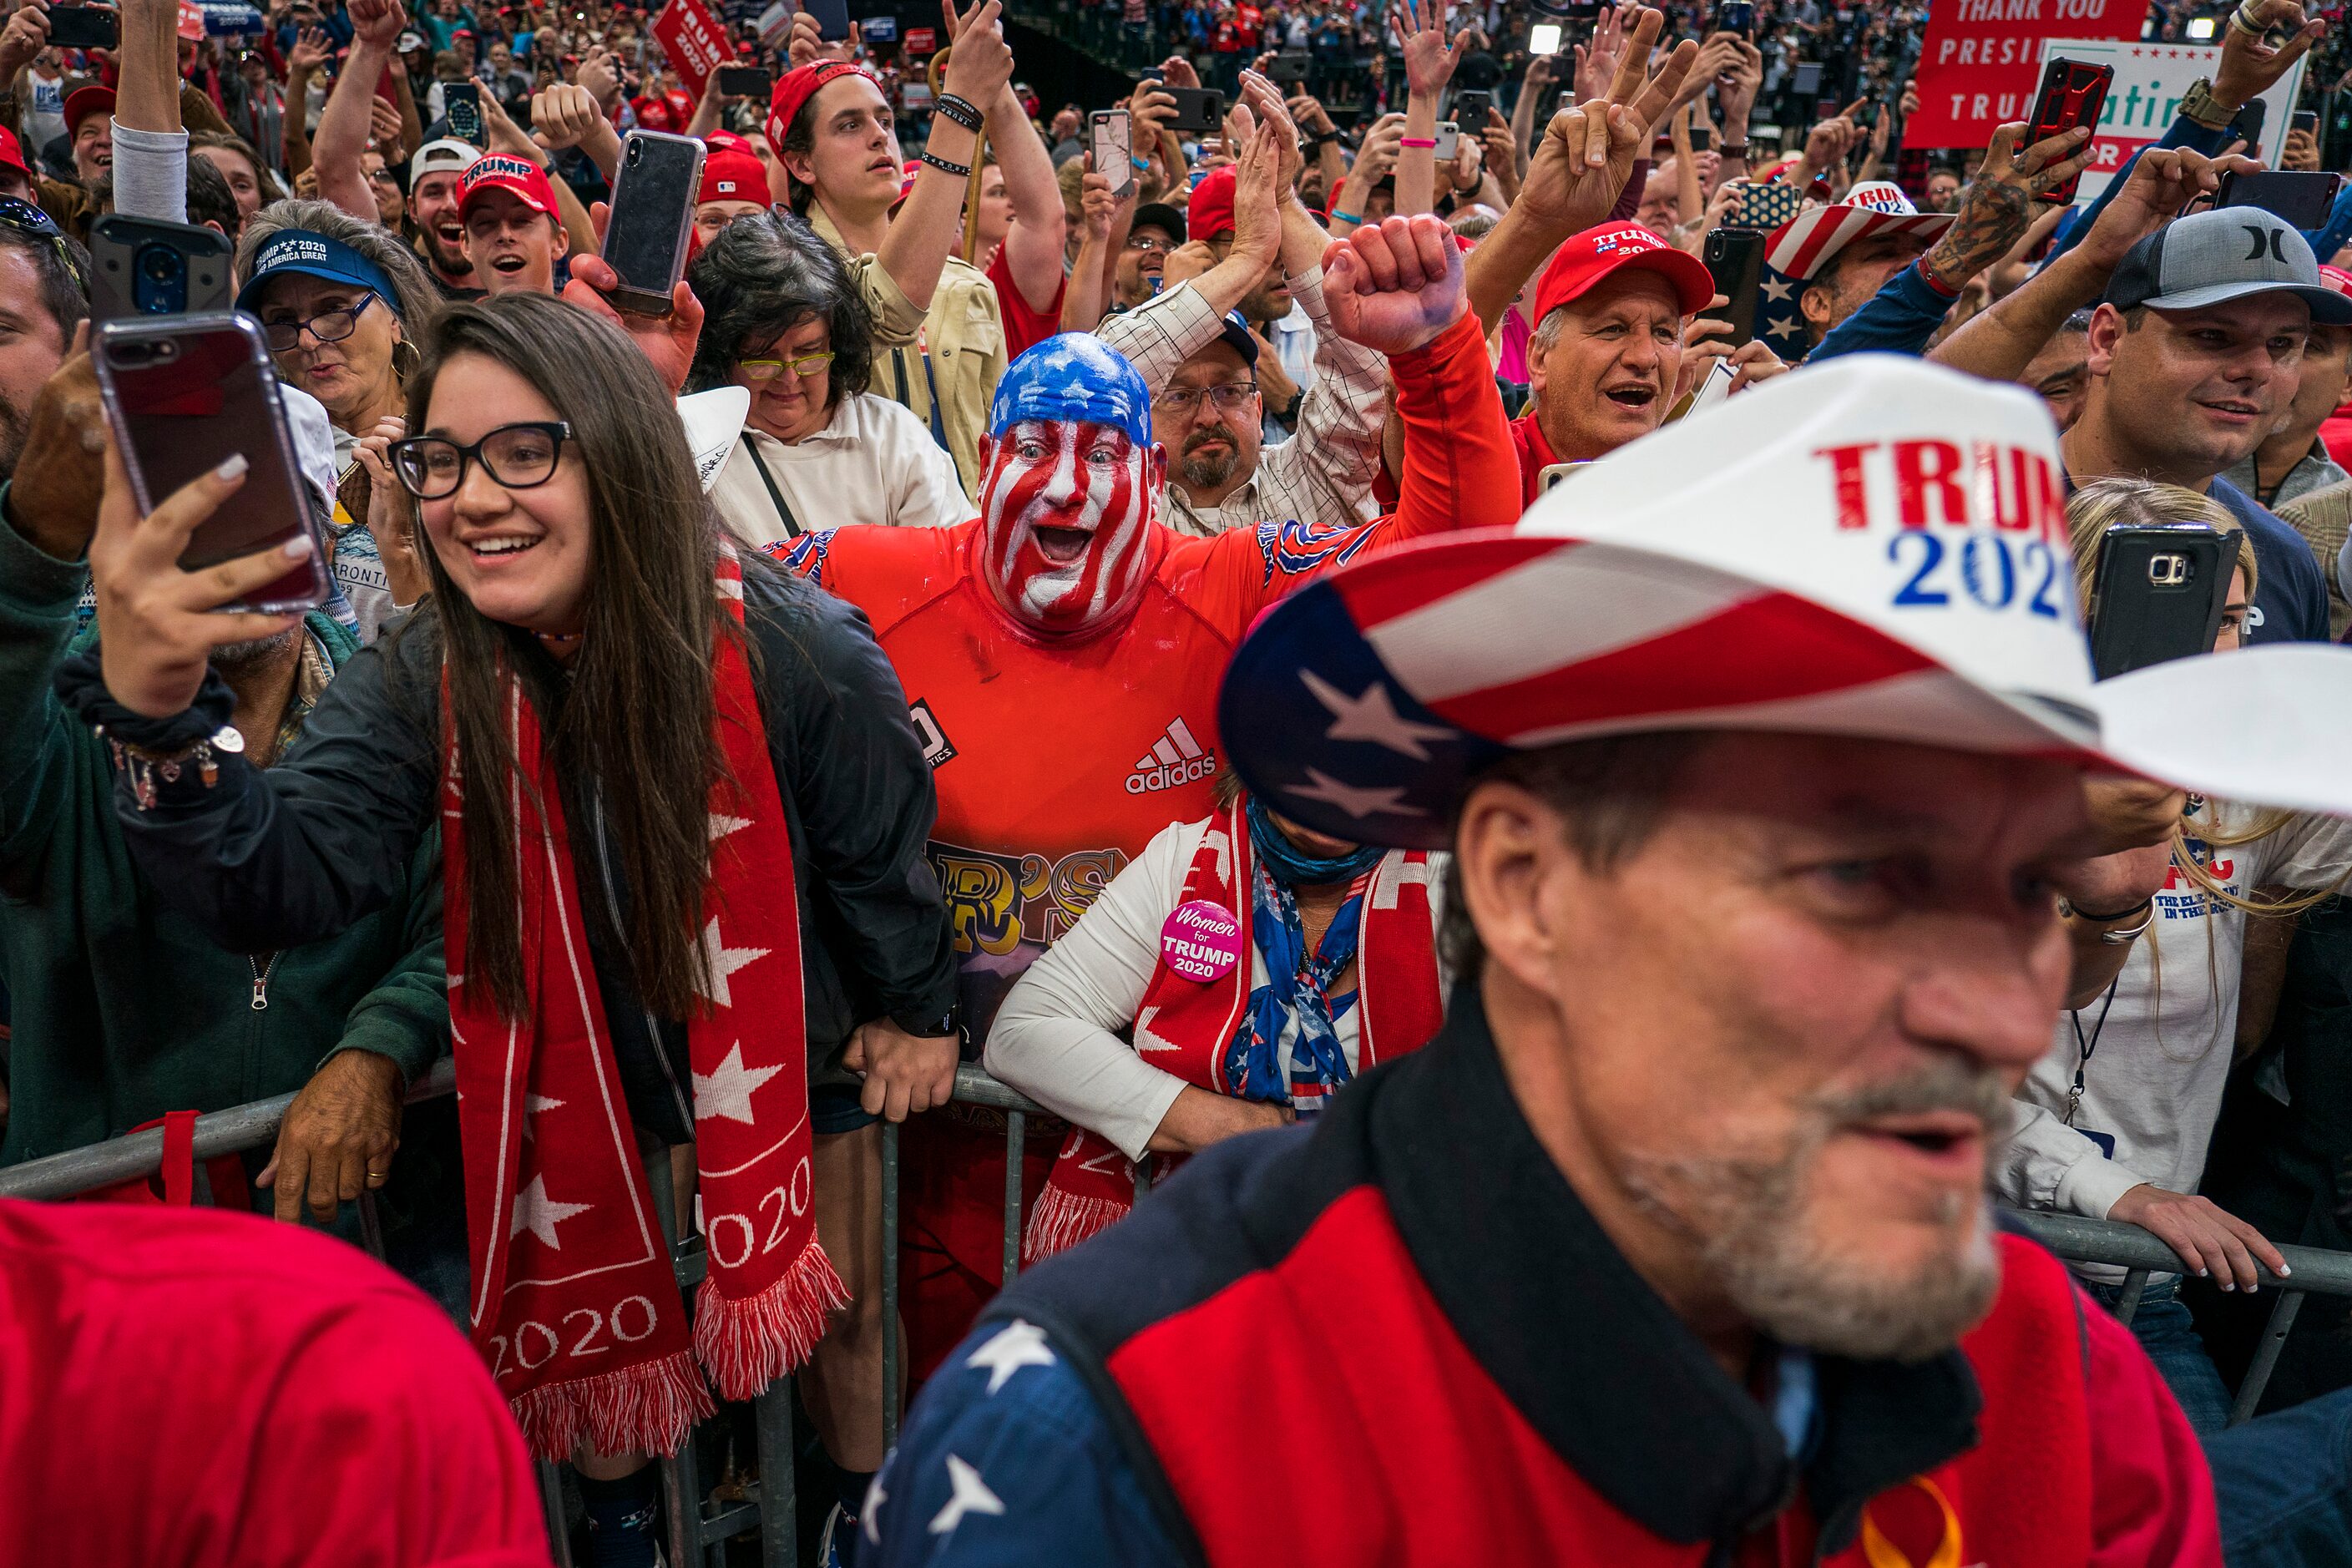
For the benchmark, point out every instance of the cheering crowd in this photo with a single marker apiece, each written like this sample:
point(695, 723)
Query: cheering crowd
point(1345, 595)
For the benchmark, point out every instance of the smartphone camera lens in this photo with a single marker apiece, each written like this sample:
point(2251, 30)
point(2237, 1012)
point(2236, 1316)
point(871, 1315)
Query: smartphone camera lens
point(636, 153)
point(160, 287)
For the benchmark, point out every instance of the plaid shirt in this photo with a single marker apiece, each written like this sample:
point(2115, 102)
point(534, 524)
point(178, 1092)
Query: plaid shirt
point(1323, 475)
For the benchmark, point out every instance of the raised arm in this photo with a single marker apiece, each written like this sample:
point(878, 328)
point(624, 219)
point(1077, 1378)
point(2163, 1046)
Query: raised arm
point(1429, 60)
point(151, 145)
point(343, 126)
point(1033, 246)
point(1587, 155)
point(928, 224)
point(2000, 342)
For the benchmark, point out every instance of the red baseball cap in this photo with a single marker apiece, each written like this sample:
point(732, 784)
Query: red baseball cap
point(2334, 278)
point(84, 102)
point(800, 84)
point(525, 180)
point(11, 153)
point(1210, 211)
point(732, 176)
point(729, 141)
point(1586, 259)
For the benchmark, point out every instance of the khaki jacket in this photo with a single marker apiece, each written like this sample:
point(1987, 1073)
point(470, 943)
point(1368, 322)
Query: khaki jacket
point(962, 333)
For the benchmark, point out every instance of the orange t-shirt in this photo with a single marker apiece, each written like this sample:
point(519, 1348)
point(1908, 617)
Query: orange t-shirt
point(1056, 758)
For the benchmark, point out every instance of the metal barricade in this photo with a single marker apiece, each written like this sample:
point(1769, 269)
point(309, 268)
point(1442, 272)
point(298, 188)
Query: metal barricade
point(2139, 1253)
point(698, 1530)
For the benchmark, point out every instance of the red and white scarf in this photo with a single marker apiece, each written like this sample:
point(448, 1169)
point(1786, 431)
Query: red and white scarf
point(1187, 1023)
point(573, 1302)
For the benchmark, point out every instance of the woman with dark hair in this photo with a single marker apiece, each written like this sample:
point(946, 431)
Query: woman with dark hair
point(683, 818)
point(783, 321)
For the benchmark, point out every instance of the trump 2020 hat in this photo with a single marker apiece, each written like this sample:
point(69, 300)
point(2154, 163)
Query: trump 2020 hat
point(1209, 210)
point(2223, 253)
point(519, 177)
point(1876, 547)
point(314, 255)
point(1803, 245)
point(1584, 261)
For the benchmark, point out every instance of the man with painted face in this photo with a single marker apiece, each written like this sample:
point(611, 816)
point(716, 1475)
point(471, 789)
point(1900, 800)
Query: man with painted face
point(1061, 651)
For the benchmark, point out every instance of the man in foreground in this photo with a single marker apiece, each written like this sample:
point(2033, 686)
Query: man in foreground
point(1675, 1235)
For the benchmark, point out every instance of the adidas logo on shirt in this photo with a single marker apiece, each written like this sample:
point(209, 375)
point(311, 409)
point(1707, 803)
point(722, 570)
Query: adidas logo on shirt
point(1175, 759)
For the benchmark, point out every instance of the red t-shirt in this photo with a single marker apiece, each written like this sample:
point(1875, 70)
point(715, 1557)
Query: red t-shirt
point(653, 114)
point(213, 1390)
point(1247, 19)
point(1022, 326)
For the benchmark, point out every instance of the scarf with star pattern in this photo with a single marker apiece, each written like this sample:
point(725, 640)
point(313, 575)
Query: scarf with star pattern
point(573, 1302)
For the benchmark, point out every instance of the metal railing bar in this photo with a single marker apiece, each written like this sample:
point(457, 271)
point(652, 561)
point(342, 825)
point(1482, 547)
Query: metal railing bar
point(550, 1496)
point(1015, 1131)
point(2127, 1304)
point(890, 1280)
point(771, 1418)
point(2266, 1355)
point(137, 1154)
point(2128, 1247)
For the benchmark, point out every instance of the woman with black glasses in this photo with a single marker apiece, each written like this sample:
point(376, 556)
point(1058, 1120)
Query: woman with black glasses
point(343, 305)
point(683, 818)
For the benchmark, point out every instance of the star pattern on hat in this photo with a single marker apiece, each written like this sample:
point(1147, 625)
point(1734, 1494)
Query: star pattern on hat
point(1357, 803)
point(1010, 1348)
point(1371, 716)
point(722, 961)
point(727, 1090)
point(537, 1212)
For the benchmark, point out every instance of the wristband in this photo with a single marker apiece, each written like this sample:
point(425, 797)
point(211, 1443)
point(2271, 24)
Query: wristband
point(1733, 150)
point(960, 110)
point(1327, 136)
point(1142, 165)
point(960, 171)
point(1339, 217)
point(2200, 105)
point(1416, 140)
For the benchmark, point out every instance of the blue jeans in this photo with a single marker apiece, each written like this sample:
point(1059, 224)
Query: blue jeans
point(2166, 1331)
point(2284, 1482)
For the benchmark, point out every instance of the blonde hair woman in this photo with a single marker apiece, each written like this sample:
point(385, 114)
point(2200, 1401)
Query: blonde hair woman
point(2117, 1118)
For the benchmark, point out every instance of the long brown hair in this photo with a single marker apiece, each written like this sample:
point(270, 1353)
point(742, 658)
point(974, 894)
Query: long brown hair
point(632, 730)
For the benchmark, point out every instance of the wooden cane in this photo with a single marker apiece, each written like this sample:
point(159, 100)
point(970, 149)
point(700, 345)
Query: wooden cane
point(939, 76)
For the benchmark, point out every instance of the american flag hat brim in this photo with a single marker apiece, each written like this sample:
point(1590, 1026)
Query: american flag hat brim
point(1749, 570)
point(1800, 247)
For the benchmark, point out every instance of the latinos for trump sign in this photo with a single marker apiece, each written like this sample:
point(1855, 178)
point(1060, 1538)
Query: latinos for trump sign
point(1982, 60)
point(2145, 98)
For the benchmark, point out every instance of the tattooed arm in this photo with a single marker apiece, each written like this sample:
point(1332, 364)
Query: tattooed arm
point(1994, 212)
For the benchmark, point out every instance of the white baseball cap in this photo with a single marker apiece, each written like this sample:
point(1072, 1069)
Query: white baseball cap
point(436, 156)
point(1873, 547)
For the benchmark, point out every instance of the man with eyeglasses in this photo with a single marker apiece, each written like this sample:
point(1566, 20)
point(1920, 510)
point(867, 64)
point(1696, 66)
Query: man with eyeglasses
point(1155, 229)
point(1201, 360)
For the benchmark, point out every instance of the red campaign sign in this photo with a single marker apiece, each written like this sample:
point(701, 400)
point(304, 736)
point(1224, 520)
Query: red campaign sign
point(1982, 60)
point(922, 40)
point(694, 41)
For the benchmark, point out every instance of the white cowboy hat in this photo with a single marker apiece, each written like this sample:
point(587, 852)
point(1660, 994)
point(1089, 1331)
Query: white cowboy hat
point(712, 420)
point(1874, 547)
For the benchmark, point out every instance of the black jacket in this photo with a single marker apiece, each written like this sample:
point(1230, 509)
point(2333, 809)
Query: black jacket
point(270, 860)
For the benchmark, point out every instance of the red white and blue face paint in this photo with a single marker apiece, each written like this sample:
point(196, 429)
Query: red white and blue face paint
point(1066, 507)
point(1067, 502)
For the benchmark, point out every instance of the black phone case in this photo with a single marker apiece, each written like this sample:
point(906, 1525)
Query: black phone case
point(2139, 618)
point(1198, 109)
point(745, 81)
point(2304, 198)
point(2073, 93)
point(118, 245)
point(1734, 258)
point(84, 28)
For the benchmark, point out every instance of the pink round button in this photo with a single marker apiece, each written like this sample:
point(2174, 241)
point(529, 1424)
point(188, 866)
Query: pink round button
point(1201, 940)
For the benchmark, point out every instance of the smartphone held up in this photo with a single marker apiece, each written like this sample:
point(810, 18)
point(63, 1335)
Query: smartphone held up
point(185, 394)
point(653, 214)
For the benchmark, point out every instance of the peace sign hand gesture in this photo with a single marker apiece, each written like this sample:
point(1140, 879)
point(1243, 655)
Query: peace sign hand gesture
point(1586, 153)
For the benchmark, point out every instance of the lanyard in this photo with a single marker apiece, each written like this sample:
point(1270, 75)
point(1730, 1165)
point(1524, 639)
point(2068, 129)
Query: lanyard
point(2085, 1046)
